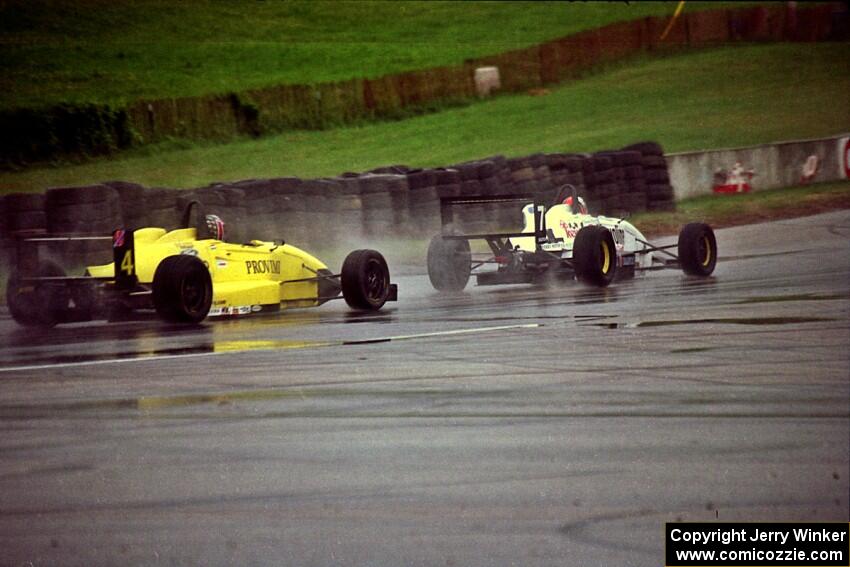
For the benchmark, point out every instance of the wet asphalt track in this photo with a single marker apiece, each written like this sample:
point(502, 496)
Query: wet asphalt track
point(502, 426)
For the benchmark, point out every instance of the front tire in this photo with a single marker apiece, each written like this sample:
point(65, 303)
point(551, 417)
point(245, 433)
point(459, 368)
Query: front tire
point(697, 249)
point(595, 256)
point(449, 263)
point(182, 289)
point(365, 280)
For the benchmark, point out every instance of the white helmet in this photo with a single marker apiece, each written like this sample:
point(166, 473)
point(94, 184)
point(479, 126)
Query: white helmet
point(580, 209)
point(215, 226)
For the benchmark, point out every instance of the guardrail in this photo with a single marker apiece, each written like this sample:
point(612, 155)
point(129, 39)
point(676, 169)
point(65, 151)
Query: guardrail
point(781, 164)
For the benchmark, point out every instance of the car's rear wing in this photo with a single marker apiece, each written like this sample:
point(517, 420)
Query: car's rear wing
point(28, 254)
point(28, 248)
point(496, 240)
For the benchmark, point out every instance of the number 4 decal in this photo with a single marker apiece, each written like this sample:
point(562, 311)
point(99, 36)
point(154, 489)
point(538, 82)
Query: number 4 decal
point(127, 263)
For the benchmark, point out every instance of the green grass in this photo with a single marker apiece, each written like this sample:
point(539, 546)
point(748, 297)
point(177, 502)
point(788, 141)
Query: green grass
point(722, 97)
point(54, 51)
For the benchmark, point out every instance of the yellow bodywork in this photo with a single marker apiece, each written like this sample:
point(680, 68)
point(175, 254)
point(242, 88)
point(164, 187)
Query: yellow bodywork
point(245, 277)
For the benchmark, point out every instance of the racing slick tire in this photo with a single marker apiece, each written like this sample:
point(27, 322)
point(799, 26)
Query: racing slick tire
point(595, 256)
point(34, 305)
point(449, 263)
point(365, 280)
point(182, 289)
point(697, 249)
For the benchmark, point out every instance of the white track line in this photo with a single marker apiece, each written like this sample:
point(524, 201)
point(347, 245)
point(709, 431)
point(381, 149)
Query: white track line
point(317, 344)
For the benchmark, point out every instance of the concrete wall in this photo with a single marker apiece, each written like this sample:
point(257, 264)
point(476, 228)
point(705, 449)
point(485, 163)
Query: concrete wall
point(775, 165)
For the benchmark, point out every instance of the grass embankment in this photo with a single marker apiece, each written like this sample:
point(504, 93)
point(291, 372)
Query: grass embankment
point(114, 52)
point(747, 208)
point(723, 97)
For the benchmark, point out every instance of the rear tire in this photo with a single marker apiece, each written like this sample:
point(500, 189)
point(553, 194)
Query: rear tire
point(182, 289)
point(595, 256)
point(34, 304)
point(365, 280)
point(449, 263)
point(697, 249)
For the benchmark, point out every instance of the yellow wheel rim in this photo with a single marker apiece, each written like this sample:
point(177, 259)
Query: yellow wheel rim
point(707, 246)
point(606, 258)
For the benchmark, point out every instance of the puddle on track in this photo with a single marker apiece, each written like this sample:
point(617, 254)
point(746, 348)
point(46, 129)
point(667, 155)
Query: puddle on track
point(715, 321)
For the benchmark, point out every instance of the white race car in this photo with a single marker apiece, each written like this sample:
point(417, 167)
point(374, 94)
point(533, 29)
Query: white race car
point(561, 241)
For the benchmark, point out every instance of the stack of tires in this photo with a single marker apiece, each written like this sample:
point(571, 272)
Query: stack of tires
point(629, 177)
point(398, 190)
point(93, 210)
point(566, 169)
point(391, 169)
point(377, 205)
point(24, 213)
point(286, 202)
point(135, 201)
point(320, 198)
point(160, 208)
point(659, 192)
point(478, 178)
point(349, 218)
point(261, 208)
point(601, 181)
point(449, 182)
point(509, 214)
point(545, 185)
point(522, 176)
point(423, 202)
point(21, 214)
point(450, 185)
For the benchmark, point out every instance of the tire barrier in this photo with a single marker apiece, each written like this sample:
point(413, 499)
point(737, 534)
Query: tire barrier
point(24, 212)
point(93, 210)
point(349, 212)
point(423, 202)
point(656, 177)
point(384, 203)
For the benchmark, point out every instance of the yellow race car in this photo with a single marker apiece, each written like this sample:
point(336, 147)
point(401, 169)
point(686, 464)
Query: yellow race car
point(187, 275)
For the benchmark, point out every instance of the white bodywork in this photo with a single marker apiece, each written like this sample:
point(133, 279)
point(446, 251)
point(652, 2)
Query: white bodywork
point(564, 226)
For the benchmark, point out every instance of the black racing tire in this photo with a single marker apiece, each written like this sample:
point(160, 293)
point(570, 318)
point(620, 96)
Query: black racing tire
point(595, 256)
point(449, 263)
point(656, 175)
point(182, 289)
point(32, 304)
point(365, 280)
point(697, 249)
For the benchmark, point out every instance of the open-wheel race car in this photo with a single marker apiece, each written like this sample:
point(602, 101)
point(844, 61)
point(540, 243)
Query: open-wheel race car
point(560, 241)
point(186, 275)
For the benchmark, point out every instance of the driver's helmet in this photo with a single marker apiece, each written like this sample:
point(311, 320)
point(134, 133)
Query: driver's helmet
point(215, 226)
point(582, 206)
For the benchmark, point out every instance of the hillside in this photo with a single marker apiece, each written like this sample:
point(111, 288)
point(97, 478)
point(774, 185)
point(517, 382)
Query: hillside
point(81, 51)
point(722, 97)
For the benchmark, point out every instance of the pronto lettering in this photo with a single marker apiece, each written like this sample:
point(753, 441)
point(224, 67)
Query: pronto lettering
point(262, 266)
